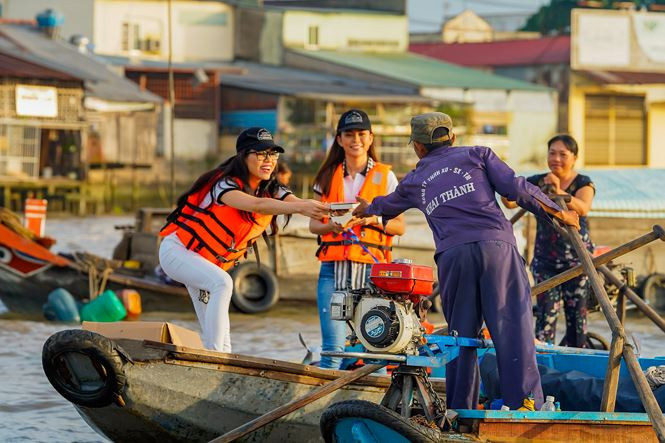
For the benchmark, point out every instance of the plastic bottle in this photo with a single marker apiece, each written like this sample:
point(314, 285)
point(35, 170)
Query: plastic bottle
point(558, 406)
point(549, 404)
point(505, 408)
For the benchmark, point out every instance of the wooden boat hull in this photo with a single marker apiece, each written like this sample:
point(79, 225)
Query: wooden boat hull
point(179, 394)
point(25, 295)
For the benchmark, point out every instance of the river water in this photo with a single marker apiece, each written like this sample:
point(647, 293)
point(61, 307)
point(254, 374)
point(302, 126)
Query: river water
point(31, 410)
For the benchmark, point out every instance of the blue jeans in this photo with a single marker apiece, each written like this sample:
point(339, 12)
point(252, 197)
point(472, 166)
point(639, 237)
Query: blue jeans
point(333, 332)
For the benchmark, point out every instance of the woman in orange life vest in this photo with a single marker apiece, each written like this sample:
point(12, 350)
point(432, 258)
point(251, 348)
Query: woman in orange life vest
point(350, 169)
point(218, 219)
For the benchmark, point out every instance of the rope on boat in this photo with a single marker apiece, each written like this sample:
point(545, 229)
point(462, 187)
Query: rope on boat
point(13, 222)
point(98, 270)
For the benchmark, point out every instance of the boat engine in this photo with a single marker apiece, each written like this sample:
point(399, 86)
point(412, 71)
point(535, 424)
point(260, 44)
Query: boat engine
point(383, 317)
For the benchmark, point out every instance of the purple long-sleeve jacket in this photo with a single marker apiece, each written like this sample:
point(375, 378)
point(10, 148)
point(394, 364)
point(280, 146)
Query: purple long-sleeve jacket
point(455, 188)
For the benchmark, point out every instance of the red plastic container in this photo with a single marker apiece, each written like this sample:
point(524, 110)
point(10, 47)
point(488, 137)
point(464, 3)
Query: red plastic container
point(403, 278)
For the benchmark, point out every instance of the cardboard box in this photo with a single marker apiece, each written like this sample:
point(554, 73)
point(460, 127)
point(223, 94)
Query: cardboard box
point(147, 330)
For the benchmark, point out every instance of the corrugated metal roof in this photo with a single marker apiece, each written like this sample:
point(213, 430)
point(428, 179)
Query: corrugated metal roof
point(305, 84)
point(11, 66)
point(101, 82)
point(420, 71)
point(626, 193)
point(533, 51)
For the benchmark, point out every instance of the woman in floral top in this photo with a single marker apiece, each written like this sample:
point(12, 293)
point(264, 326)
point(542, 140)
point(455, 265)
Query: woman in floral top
point(554, 254)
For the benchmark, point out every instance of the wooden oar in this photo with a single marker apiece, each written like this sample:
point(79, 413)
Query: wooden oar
point(657, 233)
point(281, 411)
point(619, 346)
point(637, 301)
point(517, 216)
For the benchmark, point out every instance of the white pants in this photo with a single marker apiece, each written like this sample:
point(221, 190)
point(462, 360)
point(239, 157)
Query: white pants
point(209, 286)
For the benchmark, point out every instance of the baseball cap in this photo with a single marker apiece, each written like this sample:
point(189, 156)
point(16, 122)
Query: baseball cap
point(257, 139)
point(354, 119)
point(424, 125)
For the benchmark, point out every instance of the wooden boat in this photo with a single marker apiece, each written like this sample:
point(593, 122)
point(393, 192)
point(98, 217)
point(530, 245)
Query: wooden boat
point(29, 272)
point(134, 390)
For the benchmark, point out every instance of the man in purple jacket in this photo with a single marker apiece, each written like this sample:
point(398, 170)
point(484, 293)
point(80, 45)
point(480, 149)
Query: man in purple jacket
point(481, 274)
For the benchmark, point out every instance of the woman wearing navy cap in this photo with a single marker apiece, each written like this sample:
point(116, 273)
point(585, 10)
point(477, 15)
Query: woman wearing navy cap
point(215, 222)
point(347, 252)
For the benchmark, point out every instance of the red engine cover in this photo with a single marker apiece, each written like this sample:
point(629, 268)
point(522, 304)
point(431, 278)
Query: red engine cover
point(403, 278)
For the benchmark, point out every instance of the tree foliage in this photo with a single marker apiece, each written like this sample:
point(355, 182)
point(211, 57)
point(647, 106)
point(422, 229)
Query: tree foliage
point(555, 17)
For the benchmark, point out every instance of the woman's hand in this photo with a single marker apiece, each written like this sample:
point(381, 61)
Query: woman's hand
point(355, 221)
point(335, 227)
point(551, 179)
point(313, 209)
point(570, 218)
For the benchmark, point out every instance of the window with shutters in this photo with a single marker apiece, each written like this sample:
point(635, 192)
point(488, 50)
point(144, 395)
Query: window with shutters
point(614, 130)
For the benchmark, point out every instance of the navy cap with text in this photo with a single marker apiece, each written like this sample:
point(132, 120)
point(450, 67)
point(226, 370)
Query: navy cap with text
point(354, 119)
point(256, 139)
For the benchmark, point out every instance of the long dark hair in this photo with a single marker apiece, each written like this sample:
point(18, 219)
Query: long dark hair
point(334, 158)
point(235, 167)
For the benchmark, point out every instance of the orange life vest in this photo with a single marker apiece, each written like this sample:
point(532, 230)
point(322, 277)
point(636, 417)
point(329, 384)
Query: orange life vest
point(334, 247)
point(219, 233)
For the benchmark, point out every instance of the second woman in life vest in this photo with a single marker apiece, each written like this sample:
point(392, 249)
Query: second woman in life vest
point(346, 253)
point(216, 221)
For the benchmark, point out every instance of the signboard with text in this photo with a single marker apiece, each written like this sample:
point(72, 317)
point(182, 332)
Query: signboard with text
point(618, 40)
point(36, 101)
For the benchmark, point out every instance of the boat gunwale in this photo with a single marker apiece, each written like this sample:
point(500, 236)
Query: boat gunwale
point(184, 353)
point(555, 417)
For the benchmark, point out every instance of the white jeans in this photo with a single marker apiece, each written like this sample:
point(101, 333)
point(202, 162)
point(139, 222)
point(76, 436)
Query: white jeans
point(209, 286)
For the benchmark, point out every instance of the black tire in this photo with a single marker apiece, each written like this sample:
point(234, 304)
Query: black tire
point(255, 289)
point(62, 346)
point(653, 291)
point(593, 341)
point(596, 341)
point(364, 409)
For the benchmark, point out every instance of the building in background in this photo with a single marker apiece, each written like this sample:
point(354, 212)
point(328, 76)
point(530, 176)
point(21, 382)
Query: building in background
point(202, 30)
point(469, 27)
point(543, 61)
point(509, 115)
point(100, 119)
point(303, 108)
point(617, 87)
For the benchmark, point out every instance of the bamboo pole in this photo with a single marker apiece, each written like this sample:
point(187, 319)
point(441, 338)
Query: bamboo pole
point(657, 233)
point(630, 294)
point(618, 346)
point(281, 411)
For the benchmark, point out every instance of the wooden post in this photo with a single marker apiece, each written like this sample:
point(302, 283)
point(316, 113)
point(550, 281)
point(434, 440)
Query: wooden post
point(281, 411)
point(646, 395)
point(657, 233)
point(618, 346)
point(618, 334)
point(630, 294)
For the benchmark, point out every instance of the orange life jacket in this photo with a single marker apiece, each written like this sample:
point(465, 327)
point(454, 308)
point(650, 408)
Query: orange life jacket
point(334, 247)
point(219, 233)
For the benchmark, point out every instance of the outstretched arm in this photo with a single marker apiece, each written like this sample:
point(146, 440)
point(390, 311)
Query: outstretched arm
point(388, 206)
point(519, 190)
point(272, 206)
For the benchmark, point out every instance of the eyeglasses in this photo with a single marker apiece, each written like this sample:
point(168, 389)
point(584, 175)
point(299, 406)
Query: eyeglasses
point(264, 155)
